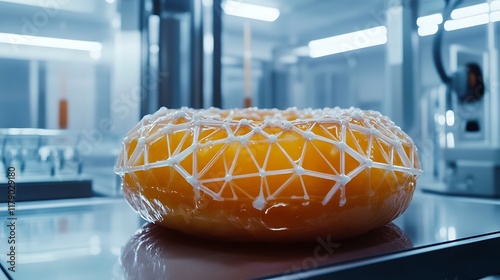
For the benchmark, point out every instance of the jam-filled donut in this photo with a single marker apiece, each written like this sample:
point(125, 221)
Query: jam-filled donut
point(268, 175)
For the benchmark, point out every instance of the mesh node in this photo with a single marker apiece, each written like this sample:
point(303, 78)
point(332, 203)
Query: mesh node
point(272, 138)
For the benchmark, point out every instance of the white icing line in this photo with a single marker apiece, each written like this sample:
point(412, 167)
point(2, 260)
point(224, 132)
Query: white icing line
point(181, 143)
point(358, 147)
point(402, 154)
point(304, 189)
point(212, 161)
point(193, 147)
point(324, 158)
point(137, 151)
point(330, 194)
point(235, 159)
point(320, 175)
point(282, 187)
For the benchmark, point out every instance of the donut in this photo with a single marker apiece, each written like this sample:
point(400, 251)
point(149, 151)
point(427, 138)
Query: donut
point(266, 174)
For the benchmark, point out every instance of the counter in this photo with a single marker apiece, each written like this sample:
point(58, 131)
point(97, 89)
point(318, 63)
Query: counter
point(438, 237)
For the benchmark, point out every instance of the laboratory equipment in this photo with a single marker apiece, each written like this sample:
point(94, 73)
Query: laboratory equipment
point(46, 163)
point(467, 110)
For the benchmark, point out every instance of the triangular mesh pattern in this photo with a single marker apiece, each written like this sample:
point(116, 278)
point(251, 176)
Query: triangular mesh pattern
point(333, 145)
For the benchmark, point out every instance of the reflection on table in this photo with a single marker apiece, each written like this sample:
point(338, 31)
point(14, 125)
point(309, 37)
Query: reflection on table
point(159, 253)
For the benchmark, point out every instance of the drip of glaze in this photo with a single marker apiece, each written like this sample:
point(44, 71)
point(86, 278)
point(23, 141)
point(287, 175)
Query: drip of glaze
point(343, 199)
point(259, 203)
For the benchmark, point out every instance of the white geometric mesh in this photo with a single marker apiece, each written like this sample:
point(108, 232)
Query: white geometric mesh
point(249, 130)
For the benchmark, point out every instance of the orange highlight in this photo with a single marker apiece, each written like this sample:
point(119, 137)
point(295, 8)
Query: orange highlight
point(63, 114)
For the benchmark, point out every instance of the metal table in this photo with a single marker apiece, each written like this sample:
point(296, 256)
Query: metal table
point(438, 237)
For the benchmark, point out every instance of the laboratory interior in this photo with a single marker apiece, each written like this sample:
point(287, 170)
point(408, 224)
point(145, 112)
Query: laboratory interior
point(77, 76)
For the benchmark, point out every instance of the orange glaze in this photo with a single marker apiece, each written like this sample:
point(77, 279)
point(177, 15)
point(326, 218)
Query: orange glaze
point(268, 175)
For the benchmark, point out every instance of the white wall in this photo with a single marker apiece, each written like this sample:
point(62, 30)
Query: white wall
point(351, 79)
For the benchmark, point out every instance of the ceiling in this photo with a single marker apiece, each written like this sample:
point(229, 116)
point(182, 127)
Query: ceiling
point(427, 7)
point(81, 20)
point(302, 20)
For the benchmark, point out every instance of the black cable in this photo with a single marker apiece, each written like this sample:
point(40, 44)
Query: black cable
point(438, 62)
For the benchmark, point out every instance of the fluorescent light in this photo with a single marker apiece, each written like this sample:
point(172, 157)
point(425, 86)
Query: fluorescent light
point(427, 30)
point(433, 19)
point(495, 16)
point(348, 42)
point(441, 119)
point(455, 24)
point(495, 5)
point(450, 118)
point(239, 9)
point(428, 25)
point(450, 140)
point(470, 11)
point(17, 39)
point(461, 18)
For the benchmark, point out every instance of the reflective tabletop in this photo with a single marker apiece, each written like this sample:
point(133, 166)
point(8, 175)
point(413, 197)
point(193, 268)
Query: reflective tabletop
point(102, 238)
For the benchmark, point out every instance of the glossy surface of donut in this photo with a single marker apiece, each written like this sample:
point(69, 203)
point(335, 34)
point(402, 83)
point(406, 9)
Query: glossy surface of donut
point(268, 175)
